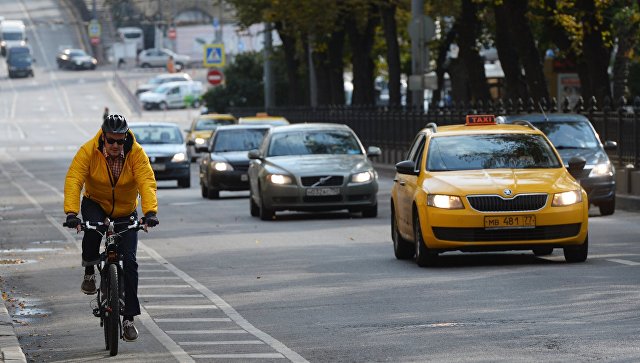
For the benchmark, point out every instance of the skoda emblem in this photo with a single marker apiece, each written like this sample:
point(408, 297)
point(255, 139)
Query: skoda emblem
point(507, 192)
point(152, 159)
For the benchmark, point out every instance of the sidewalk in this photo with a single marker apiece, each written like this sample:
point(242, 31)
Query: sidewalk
point(9, 346)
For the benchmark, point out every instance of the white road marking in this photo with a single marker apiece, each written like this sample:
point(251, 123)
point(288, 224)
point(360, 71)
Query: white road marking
point(224, 342)
point(624, 262)
point(160, 270)
point(177, 296)
point(239, 356)
point(163, 338)
point(210, 331)
point(162, 286)
point(181, 307)
point(191, 320)
point(159, 278)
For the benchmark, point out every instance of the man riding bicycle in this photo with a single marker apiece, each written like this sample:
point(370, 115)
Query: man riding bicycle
point(113, 169)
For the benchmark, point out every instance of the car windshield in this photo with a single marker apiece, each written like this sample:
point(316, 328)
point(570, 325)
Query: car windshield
point(21, 57)
point(12, 36)
point(157, 134)
point(77, 53)
point(314, 142)
point(211, 124)
point(490, 151)
point(237, 140)
point(162, 89)
point(569, 134)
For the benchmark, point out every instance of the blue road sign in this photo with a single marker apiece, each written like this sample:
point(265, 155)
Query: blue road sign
point(214, 55)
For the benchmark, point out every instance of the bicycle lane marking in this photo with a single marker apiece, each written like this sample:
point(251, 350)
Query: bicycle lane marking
point(227, 310)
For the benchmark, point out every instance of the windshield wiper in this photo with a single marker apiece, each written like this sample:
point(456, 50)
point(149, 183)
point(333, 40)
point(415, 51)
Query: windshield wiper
point(568, 147)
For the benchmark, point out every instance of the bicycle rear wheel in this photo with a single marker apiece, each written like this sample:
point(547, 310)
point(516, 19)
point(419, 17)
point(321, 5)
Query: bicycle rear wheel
point(112, 319)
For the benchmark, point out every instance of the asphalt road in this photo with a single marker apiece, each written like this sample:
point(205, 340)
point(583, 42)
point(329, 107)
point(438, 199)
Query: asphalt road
point(219, 285)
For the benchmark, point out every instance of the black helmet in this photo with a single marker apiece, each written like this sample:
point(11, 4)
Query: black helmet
point(115, 123)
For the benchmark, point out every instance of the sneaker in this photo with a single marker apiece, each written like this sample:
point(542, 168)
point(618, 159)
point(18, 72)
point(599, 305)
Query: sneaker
point(130, 333)
point(89, 284)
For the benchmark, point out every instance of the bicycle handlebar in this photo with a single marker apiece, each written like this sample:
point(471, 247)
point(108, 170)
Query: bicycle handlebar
point(87, 225)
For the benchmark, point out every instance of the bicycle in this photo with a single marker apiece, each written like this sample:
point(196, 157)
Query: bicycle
point(110, 299)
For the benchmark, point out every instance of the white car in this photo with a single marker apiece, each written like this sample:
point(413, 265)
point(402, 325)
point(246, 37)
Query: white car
point(161, 79)
point(173, 95)
point(158, 57)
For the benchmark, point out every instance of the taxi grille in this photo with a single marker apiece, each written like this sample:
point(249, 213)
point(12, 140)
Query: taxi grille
point(328, 180)
point(519, 203)
point(526, 234)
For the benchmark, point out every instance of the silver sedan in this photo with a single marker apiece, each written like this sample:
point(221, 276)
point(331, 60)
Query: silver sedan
point(312, 167)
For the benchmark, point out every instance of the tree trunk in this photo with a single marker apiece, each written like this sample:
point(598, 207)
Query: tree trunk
point(442, 65)
point(336, 68)
point(468, 32)
point(388, 13)
point(322, 68)
point(292, 65)
point(361, 42)
point(594, 53)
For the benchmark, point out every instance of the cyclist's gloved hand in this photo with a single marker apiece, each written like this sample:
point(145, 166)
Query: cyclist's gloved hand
point(151, 220)
point(73, 221)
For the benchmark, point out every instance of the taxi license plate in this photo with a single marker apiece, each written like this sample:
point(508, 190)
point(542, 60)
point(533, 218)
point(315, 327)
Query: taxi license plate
point(527, 221)
point(244, 177)
point(158, 167)
point(322, 191)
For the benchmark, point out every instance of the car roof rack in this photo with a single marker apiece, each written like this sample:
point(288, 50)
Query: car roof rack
point(524, 123)
point(432, 126)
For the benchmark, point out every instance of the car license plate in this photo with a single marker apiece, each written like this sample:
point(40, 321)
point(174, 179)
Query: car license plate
point(527, 221)
point(158, 167)
point(244, 177)
point(319, 192)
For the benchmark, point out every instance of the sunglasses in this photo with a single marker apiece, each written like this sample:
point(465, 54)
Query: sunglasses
point(113, 141)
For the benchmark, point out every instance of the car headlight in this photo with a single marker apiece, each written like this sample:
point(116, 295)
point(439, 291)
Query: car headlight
point(3, 43)
point(605, 169)
point(221, 166)
point(567, 198)
point(363, 177)
point(444, 201)
point(199, 141)
point(178, 158)
point(279, 179)
point(94, 61)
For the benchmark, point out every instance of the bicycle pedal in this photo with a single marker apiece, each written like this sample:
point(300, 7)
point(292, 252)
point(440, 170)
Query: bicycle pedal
point(96, 312)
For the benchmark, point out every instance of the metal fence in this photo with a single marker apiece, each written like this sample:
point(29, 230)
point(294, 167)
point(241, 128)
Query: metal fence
point(393, 129)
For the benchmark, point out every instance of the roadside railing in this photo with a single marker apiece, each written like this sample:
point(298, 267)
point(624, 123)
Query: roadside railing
point(393, 129)
point(131, 99)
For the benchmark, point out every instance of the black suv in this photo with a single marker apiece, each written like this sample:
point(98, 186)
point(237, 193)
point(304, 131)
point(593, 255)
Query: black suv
point(574, 135)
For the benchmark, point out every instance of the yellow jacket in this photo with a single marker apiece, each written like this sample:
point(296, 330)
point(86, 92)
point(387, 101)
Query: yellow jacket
point(89, 169)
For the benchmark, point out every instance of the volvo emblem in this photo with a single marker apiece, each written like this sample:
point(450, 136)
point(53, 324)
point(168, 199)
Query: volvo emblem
point(507, 192)
point(152, 159)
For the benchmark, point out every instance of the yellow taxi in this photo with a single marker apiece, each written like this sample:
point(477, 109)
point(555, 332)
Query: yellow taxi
point(487, 186)
point(201, 129)
point(262, 118)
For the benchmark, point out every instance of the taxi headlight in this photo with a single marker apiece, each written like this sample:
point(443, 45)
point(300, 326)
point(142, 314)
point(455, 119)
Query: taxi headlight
point(178, 158)
point(567, 198)
point(362, 177)
point(221, 166)
point(199, 141)
point(444, 201)
point(602, 170)
point(279, 179)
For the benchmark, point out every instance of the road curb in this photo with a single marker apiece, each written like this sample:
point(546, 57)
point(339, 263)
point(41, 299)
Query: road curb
point(9, 345)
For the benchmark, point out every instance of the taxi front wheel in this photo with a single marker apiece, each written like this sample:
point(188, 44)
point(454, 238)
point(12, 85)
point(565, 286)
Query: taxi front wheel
point(577, 253)
point(424, 256)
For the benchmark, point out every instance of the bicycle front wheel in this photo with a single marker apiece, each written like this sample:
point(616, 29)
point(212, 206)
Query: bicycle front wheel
point(112, 319)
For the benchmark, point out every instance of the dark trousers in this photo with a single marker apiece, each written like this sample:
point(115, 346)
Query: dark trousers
point(91, 211)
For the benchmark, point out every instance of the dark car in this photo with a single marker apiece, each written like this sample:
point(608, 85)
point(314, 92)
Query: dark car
point(574, 135)
point(75, 59)
point(225, 165)
point(19, 62)
point(163, 143)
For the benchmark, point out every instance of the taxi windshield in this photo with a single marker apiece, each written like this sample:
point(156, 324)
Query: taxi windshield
point(569, 134)
point(314, 142)
point(490, 151)
point(211, 124)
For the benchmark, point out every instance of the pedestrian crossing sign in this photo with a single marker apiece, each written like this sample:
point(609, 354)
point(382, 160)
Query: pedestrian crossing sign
point(213, 55)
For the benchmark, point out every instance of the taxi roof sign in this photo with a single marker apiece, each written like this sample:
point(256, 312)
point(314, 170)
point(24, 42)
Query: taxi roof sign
point(480, 120)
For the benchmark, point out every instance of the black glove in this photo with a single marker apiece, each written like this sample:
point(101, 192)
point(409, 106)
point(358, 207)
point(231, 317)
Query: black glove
point(73, 221)
point(151, 220)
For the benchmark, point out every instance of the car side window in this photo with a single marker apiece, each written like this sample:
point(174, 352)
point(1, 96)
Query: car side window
point(414, 147)
point(419, 152)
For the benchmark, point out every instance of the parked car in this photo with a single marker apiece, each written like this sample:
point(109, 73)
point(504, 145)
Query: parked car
point(263, 119)
point(163, 143)
point(158, 57)
point(12, 34)
point(312, 167)
point(161, 79)
point(19, 62)
point(202, 127)
point(173, 95)
point(225, 162)
point(485, 186)
point(75, 59)
point(574, 135)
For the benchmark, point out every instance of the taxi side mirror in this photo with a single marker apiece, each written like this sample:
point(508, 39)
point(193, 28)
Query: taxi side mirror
point(576, 165)
point(373, 151)
point(254, 154)
point(407, 167)
point(610, 145)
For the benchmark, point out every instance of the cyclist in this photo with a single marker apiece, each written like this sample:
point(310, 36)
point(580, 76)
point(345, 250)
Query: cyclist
point(113, 169)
